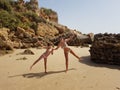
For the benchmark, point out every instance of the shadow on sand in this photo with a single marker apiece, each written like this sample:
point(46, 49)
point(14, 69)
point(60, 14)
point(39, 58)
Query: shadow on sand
point(39, 75)
point(86, 60)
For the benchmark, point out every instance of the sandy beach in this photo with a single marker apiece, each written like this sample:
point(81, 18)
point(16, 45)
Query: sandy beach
point(82, 75)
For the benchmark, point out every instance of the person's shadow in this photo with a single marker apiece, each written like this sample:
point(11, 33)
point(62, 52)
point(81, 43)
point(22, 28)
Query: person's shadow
point(86, 60)
point(39, 75)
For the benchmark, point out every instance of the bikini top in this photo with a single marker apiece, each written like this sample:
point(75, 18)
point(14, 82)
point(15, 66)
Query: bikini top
point(64, 45)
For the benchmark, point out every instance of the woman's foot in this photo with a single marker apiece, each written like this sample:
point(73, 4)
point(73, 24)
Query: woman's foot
point(78, 58)
point(45, 72)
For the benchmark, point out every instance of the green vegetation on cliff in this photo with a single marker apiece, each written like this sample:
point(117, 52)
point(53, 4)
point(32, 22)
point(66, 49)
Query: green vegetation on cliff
point(13, 15)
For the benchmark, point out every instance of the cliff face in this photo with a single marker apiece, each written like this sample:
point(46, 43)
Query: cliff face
point(49, 14)
point(24, 24)
point(45, 13)
point(35, 6)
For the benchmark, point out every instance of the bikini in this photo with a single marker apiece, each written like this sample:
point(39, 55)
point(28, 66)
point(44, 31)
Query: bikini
point(45, 55)
point(64, 46)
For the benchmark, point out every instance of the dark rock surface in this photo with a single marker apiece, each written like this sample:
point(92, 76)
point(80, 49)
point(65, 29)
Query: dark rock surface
point(106, 49)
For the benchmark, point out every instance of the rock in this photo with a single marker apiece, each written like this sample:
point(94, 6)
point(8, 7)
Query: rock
point(28, 52)
point(49, 14)
point(91, 35)
point(33, 4)
point(78, 40)
point(5, 47)
point(46, 30)
point(4, 33)
point(106, 49)
point(22, 33)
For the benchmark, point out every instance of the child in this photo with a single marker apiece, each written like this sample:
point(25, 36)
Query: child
point(49, 49)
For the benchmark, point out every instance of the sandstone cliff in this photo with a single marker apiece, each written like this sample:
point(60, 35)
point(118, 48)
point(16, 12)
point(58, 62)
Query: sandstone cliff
point(24, 24)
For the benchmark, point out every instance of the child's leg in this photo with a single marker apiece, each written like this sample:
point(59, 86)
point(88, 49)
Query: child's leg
point(66, 59)
point(45, 64)
point(36, 61)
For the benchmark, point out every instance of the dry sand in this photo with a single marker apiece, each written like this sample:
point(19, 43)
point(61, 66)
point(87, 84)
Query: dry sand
point(82, 75)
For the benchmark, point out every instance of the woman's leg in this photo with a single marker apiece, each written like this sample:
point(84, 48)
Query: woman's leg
point(66, 59)
point(36, 61)
point(74, 54)
point(45, 64)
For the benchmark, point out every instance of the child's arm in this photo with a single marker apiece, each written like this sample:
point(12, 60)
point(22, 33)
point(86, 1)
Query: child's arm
point(57, 46)
point(52, 51)
point(44, 47)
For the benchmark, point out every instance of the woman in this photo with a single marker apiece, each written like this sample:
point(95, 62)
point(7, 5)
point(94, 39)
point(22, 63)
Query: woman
point(63, 44)
point(49, 49)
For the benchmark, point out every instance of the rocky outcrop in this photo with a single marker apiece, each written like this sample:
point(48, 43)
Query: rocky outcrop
point(106, 49)
point(22, 33)
point(91, 36)
point(4, 33)
point(5, 42)
point(78, 40)
point(61, 28)
point(4, 45)
point(21, 2)
point(46, 30)
point(49, 14)
point(34, 6)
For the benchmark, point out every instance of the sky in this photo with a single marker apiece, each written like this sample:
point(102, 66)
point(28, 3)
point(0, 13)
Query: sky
point(86, 16)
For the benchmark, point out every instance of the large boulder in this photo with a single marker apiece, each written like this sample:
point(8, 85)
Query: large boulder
point(22, 33)
point(91, 36)
point(5, 42)
point(106, 49)
point(5, 47)
point(4, 33)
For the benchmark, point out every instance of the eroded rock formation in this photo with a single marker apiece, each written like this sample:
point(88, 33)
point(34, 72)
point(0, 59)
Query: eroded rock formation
point(106, 49)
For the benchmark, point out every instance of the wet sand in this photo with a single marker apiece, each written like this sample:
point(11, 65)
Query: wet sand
point(82, 74)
